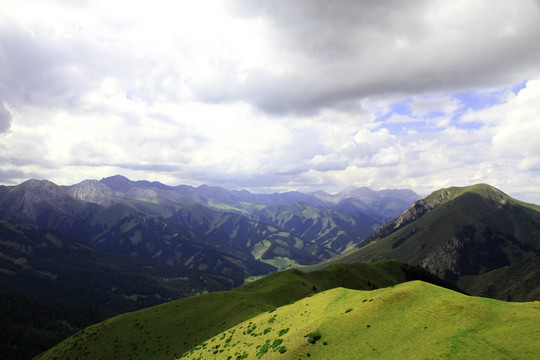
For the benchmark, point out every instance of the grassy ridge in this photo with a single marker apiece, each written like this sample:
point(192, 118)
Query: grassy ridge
point(413, 320)
point(168, 330)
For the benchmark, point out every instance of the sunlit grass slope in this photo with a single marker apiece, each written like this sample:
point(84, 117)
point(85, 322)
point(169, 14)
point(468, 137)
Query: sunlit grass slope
point(168, 330)
point(413, 320)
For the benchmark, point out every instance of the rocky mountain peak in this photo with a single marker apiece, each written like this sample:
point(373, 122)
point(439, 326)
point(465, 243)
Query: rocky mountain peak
point(117, 182)
point(24, 198)
point(94, 191)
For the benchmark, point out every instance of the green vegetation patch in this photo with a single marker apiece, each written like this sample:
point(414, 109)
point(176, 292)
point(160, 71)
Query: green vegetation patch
point(313, 337)
point(390, 324)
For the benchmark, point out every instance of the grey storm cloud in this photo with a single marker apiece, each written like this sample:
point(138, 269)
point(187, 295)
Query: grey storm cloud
point(5, 119)
point(40, 70)
point(346, 50)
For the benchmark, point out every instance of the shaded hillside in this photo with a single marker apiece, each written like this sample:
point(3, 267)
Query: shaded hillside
point(31, 326)
point(204, 228)
point(41, 263)
point(460, 234)
point(358, 211)
point(168, 330)
point(52, 286)
point(414, 320)
point(326, 227)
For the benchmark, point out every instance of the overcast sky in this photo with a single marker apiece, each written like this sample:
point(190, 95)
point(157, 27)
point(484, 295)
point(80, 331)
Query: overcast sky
point(273, 95)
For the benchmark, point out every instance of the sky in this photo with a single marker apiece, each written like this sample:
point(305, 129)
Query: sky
point(273, 95)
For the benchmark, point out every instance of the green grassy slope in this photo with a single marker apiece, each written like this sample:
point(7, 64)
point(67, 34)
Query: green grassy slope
point(413, 320)
point(168, 330)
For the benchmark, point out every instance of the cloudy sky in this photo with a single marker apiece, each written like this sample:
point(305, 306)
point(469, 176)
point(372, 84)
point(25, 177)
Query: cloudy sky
point(273, 95)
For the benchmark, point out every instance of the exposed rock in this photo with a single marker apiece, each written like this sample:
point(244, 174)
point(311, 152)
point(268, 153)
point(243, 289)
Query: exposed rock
point(94, 191)
point(444, 260)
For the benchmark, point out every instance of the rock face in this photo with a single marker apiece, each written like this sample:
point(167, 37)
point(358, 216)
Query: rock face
point(422, 206)
point(444, 261)
point(94, 191)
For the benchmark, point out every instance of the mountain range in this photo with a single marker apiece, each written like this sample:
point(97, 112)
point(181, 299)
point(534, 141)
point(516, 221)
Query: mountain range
point(196, 227)
point(117, 245)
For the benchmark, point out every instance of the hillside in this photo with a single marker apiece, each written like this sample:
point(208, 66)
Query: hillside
point(170, 329)
point(476, 237)
point(52, 286)
point(413, 320)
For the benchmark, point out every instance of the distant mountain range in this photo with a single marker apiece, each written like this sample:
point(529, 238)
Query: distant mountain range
point(201, 228)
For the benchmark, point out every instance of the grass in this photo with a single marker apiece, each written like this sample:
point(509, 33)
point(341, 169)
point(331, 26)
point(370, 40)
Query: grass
point(413, 320)
point(162, 331)
point(280, 262)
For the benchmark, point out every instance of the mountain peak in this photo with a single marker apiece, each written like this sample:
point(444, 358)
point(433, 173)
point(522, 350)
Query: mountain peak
point(117, 182)
point(439, 198)
point(93, 191)
point(484, 190)
point(45, 188)
point(24, 198)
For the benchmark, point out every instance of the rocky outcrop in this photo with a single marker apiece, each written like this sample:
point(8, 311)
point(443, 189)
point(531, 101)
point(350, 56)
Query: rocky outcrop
point(94, 191)
point(444, 260)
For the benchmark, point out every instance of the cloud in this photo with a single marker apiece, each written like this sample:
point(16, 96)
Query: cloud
point(516, 131)
point(5, 118)
point(324, 54)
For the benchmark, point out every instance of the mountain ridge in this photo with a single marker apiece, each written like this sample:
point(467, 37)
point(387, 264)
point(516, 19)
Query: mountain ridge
point(462, 234)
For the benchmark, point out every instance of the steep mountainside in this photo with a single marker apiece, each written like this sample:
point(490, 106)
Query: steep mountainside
point(125, 229)
point(194, 227)
point(330, 228)
point(168, 330)
point(476, 236)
